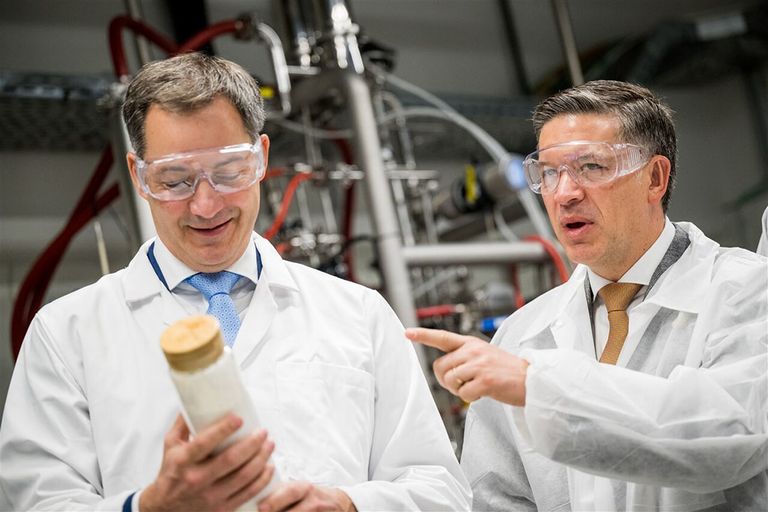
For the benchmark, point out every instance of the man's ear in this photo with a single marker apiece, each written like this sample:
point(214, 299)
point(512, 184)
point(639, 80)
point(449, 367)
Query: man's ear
point(130, 158)
point(659, 178)
point(265, 147)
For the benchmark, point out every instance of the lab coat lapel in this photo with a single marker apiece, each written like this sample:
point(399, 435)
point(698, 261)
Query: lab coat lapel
point(690, 285)
point(571, 326)
point(142, 288)
point(271, 295)
point(261, 312)
point(684, 297)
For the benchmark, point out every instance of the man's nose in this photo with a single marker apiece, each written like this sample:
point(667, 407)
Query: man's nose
point(567, 189)
point(206, 201)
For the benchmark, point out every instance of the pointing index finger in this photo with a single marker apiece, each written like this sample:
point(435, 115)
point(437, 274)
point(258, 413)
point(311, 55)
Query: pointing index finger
point(439, 339)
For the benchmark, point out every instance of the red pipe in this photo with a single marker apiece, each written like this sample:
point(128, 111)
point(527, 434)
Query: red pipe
point(557, 260)
point(274, 172)
point(207, 34)
point(78, 223)
point(349, 208)
point(116, 50)
point(285, 205)
point(32, 289)
point(439, 310)
point(513, 276)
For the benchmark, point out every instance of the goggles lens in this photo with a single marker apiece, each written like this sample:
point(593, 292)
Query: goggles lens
point(589, 164)
point(228, 169)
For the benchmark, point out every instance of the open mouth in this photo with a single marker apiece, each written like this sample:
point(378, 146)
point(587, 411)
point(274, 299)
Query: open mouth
point(575, 225)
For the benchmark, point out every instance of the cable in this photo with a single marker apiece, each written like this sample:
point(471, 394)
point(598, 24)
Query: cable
point(116, 50)
point(492, 146)
point(275, 172)
point(502, 227)
point(32, 290)
point(557, 260)
point(496, 150)
point(513, 276)
point(206, 35)
point(285, 205)
point(439, 310)
point(349, 208)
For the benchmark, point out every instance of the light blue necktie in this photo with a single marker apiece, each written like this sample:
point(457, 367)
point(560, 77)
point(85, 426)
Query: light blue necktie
point(215, 288)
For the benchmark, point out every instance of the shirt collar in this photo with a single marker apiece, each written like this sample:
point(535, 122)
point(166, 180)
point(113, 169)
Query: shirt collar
point(642, 271)
point(175, 272)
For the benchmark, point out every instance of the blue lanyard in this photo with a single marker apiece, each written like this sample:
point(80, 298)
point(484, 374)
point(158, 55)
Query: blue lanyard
point(159, 273)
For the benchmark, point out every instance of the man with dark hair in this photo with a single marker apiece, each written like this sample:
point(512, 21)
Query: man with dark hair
point(642, 382)
point(92, 419)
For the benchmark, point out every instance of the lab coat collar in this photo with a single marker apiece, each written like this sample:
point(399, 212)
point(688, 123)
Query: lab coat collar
point(140, 281)
point(564, 304)
point(564, 309)
point(690, 275)
point(274, 270)
point(571, 316)
point(274, 291)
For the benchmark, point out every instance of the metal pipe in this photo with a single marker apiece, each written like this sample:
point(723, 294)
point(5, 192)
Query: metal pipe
point(567, 39)
point(339, 37)
point(510, 31)
point(135, 11)
point(368, 157)
point(297, 20)
point(282, 75)
point(331, 226)
point(140, 224)
point(475, 253)
point(404, 136)
point(398, 283)
point(401, 206)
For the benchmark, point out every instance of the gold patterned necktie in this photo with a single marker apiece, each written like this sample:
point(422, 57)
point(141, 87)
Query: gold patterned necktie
point(617, 297)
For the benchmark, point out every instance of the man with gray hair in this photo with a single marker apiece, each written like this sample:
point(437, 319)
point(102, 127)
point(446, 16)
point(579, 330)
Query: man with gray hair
point(642, 382)
point(92, 419)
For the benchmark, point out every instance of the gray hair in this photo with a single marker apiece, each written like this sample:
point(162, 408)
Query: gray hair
point(643, 118)
point(185, 84)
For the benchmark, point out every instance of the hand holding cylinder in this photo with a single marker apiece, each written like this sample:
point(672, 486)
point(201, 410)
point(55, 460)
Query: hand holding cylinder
point(227, 460)
point(191, 477)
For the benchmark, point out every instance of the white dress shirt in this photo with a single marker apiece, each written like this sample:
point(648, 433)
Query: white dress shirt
point(640, 273)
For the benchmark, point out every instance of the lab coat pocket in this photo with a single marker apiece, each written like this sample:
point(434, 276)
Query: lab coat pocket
point(326, 414)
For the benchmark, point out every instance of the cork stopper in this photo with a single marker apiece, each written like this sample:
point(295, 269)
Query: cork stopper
point(192, 343)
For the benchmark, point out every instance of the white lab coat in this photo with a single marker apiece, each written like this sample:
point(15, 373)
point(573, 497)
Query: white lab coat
point(762, 245)
point(680, 423)
point(332, 376)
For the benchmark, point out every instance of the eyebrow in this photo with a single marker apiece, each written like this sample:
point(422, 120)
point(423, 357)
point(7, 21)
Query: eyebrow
point(173, 168)
point(233, 158)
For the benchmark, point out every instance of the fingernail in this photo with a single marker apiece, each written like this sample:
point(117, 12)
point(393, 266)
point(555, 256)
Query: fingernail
point(235, 422)
point(265, 508)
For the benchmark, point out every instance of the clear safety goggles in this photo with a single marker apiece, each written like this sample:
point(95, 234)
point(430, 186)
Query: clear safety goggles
point(227, 169)
point(589, 164)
